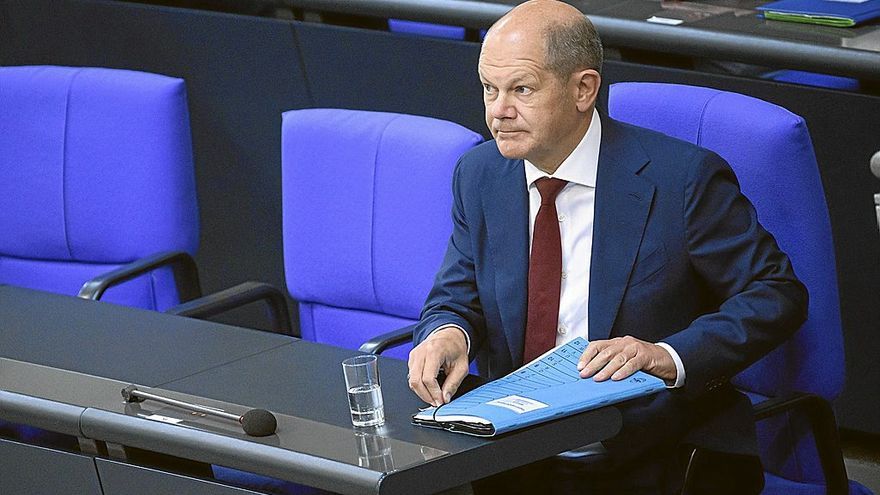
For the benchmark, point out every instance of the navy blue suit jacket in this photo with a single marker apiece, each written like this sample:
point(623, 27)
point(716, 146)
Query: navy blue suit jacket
point(678, 256)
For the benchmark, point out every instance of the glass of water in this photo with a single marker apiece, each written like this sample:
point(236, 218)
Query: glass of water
point(364, 390)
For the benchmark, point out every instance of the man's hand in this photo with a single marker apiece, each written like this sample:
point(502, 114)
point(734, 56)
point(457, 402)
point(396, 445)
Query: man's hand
point(620, 357)
point(447, 349)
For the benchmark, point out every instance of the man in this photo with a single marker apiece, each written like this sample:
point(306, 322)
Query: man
point(571, 224)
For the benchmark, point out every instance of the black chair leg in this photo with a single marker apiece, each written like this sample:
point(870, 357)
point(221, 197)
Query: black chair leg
point(716, 473)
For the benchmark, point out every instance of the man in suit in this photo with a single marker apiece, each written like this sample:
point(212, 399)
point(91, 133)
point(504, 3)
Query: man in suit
point(571, 224)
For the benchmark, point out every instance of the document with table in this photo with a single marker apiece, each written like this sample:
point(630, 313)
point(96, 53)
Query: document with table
point(547, 388)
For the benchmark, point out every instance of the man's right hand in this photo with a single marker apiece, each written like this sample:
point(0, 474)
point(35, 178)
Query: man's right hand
point(444, 349)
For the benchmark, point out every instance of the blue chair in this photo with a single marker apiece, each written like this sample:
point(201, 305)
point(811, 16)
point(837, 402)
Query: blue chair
point(97, 190)
point(771, 152)
point(428, 29)
point(814, 79)
point(366, 201)
point(96, 176)
point(366, 218)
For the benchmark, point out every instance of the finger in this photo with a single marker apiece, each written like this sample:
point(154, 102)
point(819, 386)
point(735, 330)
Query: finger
point(454, 376)
point(600, 360)
point(626, 370)
point(615, 363)
point(429, 380)
point(416, 367)
point(590, 352)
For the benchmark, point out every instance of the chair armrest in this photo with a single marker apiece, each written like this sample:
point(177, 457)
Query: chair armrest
point(186, 275)
point(394, 338)
point(823, 425)
point(590, 458)
point(236, 297)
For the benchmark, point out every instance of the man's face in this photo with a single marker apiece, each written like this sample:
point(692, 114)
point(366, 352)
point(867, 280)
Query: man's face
point(530, 112)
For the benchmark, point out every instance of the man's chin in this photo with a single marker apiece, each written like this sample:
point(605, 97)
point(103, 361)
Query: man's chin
point(508, 151)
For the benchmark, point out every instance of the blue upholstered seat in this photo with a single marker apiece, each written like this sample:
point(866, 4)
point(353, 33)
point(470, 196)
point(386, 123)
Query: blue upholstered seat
point(770, 150)
point(366, 219)
point(814, 79)
point(426, 29)
point(96, 171)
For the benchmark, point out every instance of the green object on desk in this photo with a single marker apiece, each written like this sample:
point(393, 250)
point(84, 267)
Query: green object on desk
point(823, 20)
point(822, 12)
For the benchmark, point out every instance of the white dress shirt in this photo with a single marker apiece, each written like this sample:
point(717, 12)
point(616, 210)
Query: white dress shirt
point(575, 210)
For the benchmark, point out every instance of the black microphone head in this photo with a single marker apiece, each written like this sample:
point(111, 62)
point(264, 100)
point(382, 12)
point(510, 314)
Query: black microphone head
point(128, 396)
point(875, 164)
point(258, 423)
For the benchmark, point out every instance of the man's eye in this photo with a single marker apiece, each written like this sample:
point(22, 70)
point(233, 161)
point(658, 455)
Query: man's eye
point(523, 90)
point(488, 88)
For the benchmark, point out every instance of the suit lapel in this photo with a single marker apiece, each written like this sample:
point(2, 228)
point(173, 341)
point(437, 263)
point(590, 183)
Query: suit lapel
point(505, 203)
point(623, 201)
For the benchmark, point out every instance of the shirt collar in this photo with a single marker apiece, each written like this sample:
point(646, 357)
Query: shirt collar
point(581, 165)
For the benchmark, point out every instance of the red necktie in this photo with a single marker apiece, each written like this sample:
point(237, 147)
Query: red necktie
point(545, 273)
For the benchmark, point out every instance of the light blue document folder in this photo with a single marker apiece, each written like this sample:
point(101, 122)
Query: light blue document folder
point(547, 388)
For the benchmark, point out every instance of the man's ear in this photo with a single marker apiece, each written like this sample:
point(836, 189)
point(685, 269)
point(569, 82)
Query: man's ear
point(587, 83)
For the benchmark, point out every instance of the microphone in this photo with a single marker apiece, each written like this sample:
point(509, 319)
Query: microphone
point(256, 422)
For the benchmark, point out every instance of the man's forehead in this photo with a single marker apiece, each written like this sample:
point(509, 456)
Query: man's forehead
point(513, 49)
point(522, 36)
point(508, 75)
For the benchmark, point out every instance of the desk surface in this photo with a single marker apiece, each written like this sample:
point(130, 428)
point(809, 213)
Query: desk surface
point(716, 29)
point(117, 342)
point(301, 382)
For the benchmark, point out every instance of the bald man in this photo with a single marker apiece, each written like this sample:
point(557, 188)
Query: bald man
point(661, 262)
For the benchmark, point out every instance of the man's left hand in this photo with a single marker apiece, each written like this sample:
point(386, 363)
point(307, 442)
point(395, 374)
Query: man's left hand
point(620, 357)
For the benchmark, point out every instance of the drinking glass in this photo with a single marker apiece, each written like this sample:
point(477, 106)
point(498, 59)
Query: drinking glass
point(364, 390)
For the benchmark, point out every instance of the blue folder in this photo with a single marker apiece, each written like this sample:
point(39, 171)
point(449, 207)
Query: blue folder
point(549, 387)
point(824, 12)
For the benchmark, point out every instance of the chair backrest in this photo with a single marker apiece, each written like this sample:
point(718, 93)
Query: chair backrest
point(96, 170)
point(770, 150)
point(366, 202)
point(428, 29)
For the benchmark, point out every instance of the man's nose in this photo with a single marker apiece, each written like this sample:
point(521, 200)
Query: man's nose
point(502, 108)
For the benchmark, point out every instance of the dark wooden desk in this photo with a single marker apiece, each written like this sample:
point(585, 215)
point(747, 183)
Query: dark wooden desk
point(52, 347)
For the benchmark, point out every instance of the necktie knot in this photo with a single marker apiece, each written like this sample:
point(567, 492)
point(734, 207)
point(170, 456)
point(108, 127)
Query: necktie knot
point(548, 188)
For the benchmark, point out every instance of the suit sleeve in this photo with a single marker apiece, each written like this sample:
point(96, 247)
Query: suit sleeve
point(454, 299)
point(762, 301)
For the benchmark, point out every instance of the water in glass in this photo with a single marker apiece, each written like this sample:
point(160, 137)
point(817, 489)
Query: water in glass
point(366, 406)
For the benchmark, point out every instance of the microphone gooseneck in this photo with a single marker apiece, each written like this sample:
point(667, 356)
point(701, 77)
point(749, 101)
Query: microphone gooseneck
point(256, 422)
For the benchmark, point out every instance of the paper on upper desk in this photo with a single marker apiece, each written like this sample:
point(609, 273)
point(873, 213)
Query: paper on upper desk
point(664, 20)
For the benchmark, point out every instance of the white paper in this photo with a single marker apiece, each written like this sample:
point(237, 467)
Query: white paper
point(517, 404)
point(664, 20)
point(164, 419)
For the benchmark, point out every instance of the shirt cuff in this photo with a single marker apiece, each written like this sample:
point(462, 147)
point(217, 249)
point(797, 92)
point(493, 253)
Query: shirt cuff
point(679, 366)
point(467, 337)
